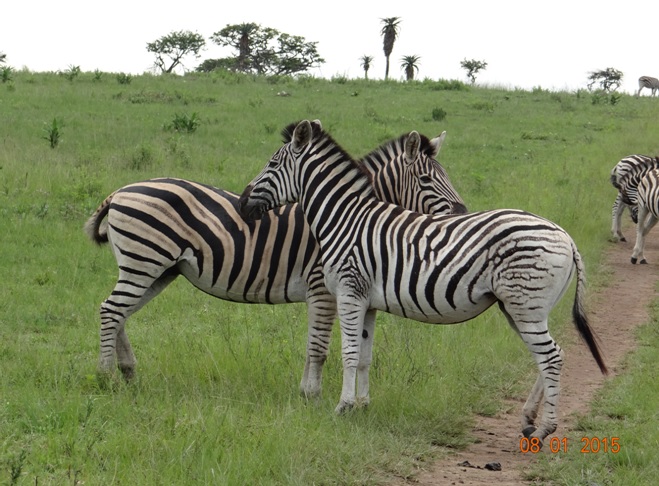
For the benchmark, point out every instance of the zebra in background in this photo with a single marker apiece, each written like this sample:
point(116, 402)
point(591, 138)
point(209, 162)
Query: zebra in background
point(161, 228)
point(435, 269)
point(648, 82)
point(625, 177)
point(648, 212)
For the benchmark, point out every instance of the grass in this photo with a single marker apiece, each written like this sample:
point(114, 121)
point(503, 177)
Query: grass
point(215, 400)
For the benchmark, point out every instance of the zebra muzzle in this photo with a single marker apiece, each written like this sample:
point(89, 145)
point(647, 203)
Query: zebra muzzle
point(248, 208)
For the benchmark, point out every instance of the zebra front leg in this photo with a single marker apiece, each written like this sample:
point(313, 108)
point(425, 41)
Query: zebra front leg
point(352, 312)
point(646, 221)
point(321, 312)
point(616, 223)
point(365, 358)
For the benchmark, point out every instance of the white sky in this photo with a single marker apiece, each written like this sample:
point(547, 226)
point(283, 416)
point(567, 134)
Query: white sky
point(525, 43)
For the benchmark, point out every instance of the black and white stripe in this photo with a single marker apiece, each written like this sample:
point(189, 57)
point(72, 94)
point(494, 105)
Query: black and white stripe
point(648, 212)
point(436, 269)
point(648, 82)
point(161, 228)
point(625, 177)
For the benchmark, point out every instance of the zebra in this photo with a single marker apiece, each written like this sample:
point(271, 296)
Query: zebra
point(648, 82)
point(625, 177)
point(648, 212)
point(436, 269)
point(161, 228)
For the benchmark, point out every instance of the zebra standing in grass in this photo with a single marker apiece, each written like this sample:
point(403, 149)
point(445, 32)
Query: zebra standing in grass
point(436, 269)
point(648, 212)
point(162, 228)
point(648, 82)
point(625, 177)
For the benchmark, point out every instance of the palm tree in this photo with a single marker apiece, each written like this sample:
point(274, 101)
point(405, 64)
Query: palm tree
point(366, 64)
point(389, 32)
point(409, 64)
point(244, 45)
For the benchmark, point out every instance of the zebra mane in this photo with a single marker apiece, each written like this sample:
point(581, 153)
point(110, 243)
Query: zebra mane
point(319, 133)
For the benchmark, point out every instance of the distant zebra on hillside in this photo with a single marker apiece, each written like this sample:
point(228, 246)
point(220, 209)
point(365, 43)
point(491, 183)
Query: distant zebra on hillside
point(648, 82)
point(161, 228)
point(648, 212)
point(625, 176)
point(435, 269)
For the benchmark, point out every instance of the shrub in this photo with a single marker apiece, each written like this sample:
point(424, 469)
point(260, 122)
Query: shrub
point(438, 114)
point(54, 133)
point(184, 123)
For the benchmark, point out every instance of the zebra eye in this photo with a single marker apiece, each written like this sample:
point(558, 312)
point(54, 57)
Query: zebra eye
point(425, 179)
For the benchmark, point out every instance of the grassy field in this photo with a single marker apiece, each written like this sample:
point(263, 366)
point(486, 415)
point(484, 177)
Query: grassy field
point(215, 400)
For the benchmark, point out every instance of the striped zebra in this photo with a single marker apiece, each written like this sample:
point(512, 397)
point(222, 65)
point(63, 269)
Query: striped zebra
point(648, 212)
point(435, 269)
point(625, 177)
point(161, 228)
point(648, 82)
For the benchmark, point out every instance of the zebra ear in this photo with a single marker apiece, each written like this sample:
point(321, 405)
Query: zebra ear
point(301, 134)
point(436, 144)
point(412, 144)
point(318, 124)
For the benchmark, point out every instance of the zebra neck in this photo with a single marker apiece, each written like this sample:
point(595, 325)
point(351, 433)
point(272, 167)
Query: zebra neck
point(331, 189)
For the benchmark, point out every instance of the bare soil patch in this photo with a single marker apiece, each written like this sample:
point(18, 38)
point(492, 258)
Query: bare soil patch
point(614, 313)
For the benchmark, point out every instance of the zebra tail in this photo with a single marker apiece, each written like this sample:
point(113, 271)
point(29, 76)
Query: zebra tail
point(94, 226)
point(579, 314)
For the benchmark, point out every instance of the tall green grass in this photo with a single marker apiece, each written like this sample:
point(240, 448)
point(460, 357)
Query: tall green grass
point(215, 400)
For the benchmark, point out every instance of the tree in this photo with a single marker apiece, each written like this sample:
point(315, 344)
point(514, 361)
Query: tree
point(3, 57)
point(263, 50)
point(389, 33)
point(472, 67)
point(609, 79)
point(409, 65)
point(175, 46)
point(366, 64)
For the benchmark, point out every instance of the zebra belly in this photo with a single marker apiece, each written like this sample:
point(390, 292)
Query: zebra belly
point(246, 288)
point(440, 312)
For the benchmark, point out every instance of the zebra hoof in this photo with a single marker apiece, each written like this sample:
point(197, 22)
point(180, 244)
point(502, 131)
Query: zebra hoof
point(343, 408)
point(634, 260)
point(128, 372)
point(527, 431)
point(622, 238)
point(644, 262)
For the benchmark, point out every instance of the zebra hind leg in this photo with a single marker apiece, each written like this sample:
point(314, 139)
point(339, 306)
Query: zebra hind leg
point(549, 358)
point(616, 224)
point(128, 296)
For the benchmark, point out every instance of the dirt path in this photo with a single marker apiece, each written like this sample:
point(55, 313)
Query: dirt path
point(614, 314)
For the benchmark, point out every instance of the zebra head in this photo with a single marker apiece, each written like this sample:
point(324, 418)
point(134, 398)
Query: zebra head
point(425, 185)
point(276, 185)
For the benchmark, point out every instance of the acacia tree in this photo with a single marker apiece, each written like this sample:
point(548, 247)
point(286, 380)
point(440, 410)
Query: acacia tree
point(366, 64)
point(409, 65)
point(472, 67)
point(173, 47)
point(609, 79)
point(389, 33)
point(263, 50)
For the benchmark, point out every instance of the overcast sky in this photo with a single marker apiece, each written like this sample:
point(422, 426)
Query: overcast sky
point(526, 44)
